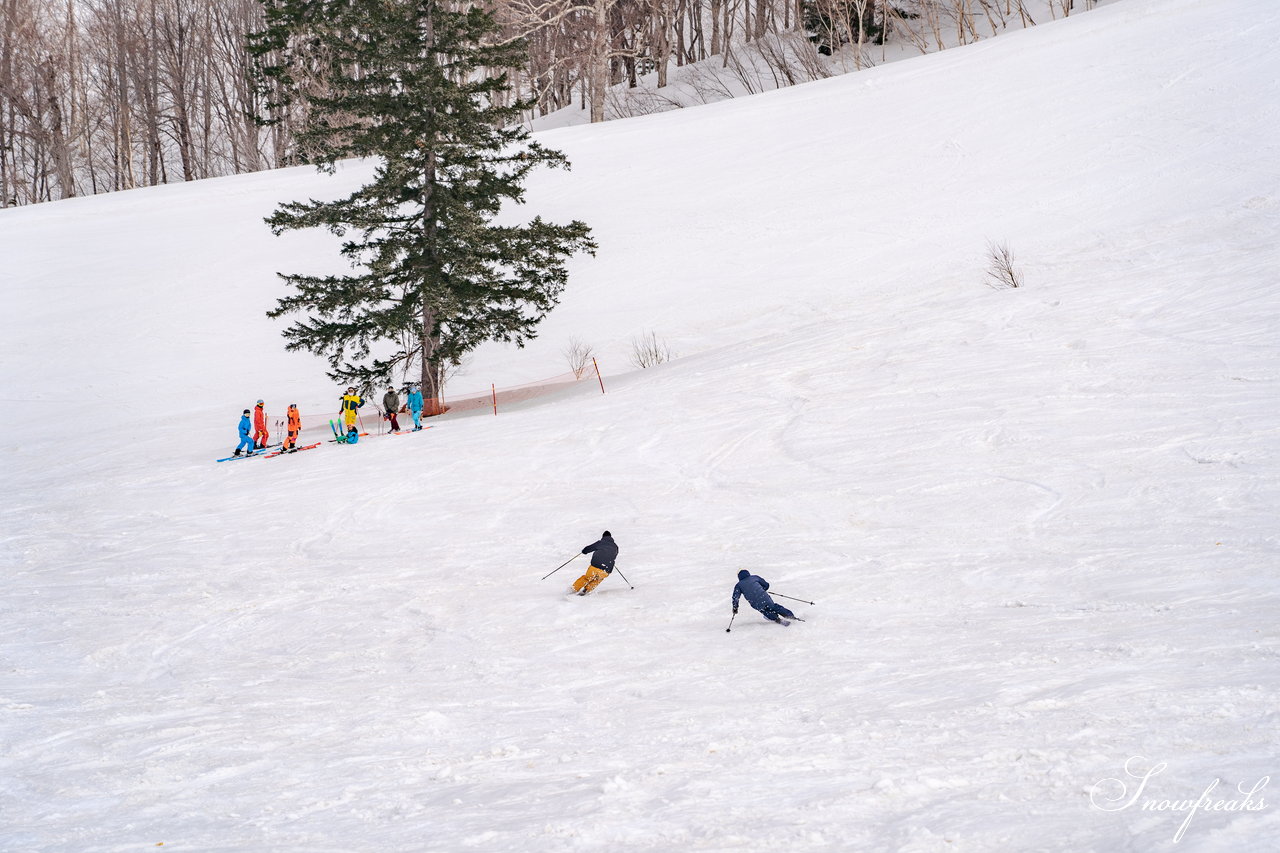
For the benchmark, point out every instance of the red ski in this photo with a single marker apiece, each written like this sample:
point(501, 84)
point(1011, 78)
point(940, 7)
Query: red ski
point(283, 452)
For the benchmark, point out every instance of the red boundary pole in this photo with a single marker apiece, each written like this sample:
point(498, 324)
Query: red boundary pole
point(494, 389)
point(598, 376)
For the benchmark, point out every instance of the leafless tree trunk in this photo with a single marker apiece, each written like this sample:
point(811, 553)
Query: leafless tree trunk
point(660, 37)
point(56, 137)
point(717, 46)
point(598, 59)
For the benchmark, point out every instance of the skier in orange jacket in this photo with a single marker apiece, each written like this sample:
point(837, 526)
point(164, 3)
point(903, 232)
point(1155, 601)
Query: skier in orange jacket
point(294, 427)
point(260, 434)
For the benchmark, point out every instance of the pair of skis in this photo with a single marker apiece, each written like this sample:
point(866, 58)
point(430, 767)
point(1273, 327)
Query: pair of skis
point(781, 620)
point(257, 451)
point(269, 452)
point(341, 437)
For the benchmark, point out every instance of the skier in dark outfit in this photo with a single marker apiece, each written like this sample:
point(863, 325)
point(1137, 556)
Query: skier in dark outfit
point(603, 553)
point(752, 588)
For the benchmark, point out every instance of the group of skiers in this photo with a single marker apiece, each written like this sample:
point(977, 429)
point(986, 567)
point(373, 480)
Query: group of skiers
point(254, 434)
point(391, 406)
point(253, 424)
point(604, 556)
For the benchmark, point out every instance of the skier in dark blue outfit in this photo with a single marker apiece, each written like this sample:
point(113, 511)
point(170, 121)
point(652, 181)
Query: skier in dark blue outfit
point(246, 431)
point(752, 588)
point(604, 552)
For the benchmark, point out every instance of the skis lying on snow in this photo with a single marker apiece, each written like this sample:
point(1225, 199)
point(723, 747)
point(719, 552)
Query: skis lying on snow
point(396, 432)
point(340, 437)
point(259, 451)
point(305, 447)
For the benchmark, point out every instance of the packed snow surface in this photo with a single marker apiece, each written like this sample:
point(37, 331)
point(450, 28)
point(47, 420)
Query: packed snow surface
point(1039, 525)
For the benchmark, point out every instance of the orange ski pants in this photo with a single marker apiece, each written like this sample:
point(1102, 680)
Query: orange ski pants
point(590, 580)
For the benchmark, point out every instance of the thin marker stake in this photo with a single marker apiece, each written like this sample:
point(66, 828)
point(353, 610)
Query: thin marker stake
point(598, 376)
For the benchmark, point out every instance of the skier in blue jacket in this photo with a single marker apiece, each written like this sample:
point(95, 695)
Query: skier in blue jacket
point(753, 589)
point(415, 406)
point(246, 434)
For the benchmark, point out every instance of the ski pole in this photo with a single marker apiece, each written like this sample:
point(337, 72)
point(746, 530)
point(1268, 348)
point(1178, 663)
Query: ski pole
point(624, 577)
point(793, 598)
point(561, 566)
point(731, 618)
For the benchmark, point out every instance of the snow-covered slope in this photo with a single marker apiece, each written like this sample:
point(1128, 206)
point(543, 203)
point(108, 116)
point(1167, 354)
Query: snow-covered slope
point(1039, 525)
point(787, 58)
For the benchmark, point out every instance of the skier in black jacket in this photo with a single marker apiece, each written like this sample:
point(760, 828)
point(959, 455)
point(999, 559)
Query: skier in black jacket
point(753, 589)
point(603, 553)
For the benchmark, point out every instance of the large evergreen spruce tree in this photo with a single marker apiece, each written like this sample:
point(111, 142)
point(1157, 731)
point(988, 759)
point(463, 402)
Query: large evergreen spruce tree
point(421, 86)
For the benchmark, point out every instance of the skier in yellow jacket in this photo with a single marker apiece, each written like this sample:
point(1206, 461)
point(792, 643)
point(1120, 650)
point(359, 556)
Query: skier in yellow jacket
point(351, 402)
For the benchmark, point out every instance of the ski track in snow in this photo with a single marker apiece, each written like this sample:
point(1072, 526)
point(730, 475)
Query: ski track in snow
point(1039, 525)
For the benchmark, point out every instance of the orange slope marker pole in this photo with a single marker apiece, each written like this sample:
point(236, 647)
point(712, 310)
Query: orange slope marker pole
point(598, 376)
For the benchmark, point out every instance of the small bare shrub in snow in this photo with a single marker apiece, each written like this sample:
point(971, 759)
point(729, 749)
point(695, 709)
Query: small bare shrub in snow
point(647, 351)
point(578, 355)
point(1001, 272)
point(628, 103)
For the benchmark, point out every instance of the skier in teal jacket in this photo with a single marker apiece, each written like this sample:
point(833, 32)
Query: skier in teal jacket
point(415, 406)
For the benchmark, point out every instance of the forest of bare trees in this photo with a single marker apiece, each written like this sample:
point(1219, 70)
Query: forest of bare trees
point(103, 95)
